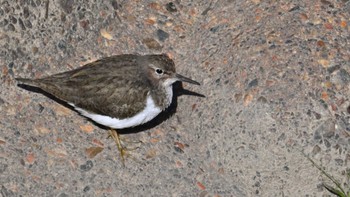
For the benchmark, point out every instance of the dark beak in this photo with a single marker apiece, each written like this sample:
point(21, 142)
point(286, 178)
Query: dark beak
point(185, 79)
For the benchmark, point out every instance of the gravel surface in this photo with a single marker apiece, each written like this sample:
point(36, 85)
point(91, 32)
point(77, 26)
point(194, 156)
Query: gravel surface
point(275, 76)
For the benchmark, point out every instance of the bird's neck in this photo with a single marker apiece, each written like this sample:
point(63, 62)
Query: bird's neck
point(163, 96)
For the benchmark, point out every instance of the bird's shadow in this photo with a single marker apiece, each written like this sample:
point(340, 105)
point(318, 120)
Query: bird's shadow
point(164, 115)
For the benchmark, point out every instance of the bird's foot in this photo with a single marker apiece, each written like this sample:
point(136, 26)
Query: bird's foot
point(124, 152)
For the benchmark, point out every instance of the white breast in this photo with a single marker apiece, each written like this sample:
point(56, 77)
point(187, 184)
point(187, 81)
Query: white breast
point(147, 114)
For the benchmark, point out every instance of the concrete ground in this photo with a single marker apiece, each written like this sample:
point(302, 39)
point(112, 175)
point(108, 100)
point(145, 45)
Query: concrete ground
point(275, 76)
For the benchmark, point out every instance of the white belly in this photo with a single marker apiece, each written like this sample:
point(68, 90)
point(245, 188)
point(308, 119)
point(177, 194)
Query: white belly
point(147, 114)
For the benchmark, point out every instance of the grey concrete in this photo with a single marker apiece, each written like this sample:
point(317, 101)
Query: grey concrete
point(275, 78)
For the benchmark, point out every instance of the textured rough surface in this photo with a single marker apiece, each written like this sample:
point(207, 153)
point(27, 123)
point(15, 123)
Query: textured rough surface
point(275, 76)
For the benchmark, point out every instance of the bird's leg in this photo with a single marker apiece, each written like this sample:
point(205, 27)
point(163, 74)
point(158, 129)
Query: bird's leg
point(122, 150)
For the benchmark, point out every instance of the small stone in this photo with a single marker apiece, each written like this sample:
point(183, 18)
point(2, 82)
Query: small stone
point(93, 151)
point(86, 189)
point(35, 50)
point(347, 160)
point(317, 135)
point(6, 7)
point(42, 130)
point(325, 63)
point(10, 65)
point(2, 101)
point(63, 17)
point(214, 29)
point(162, 35)
point(152, 43)
point(248, 98)
point(151, 153)
point(67, 5)
point(320, 43)
point(200, 185)
point(262, 99)
point(326, 130)
point(87, 128)
point(4, 23)
point(115, 5)
point(281, 137)
point(155, 6)
point(178, 149)
point(328, 133)
point(171, 7)
point(104, 33)
point(74, 27)
point(150, 21)
point(22, 162)
point(21, 24)
point(257, 184)
point(295, 8)
point(62, 45)
point(34, 139)
point(344, 75)
point(333, 68)
point(57, 152)
point(317, 115)
point(87, 166)
point(25, 12)
point(13, 54)
point(81, 14)
point(30, 158)
point(40, 108)
point(316, 150)
point(327, 143)
point(10, 27)
point(339, 162)
point(84, 24)
point(28, 24)
point(253, 83)
point(3, 167)
point(13, 20)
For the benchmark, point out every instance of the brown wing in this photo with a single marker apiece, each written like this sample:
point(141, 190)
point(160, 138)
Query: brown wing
point(113, 86)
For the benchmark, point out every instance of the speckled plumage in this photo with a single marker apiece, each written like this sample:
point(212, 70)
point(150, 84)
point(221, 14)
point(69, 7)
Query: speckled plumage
point(115, 86)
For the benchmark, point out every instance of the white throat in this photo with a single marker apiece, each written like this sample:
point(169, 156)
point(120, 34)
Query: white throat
point(168, 85)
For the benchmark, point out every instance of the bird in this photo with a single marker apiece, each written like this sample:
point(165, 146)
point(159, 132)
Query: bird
point(120, 91)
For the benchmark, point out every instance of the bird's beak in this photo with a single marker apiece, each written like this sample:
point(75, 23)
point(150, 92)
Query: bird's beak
point(185, 79)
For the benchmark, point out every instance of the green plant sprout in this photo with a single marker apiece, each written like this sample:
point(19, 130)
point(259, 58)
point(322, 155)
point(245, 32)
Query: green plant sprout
point(338, 190)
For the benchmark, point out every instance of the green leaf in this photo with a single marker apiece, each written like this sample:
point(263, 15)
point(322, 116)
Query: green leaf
point(334, 191)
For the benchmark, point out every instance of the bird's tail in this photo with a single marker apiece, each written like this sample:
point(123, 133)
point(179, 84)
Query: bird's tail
point(31, 82)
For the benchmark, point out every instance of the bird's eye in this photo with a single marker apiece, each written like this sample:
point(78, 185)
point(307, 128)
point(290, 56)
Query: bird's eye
point(159, 71)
